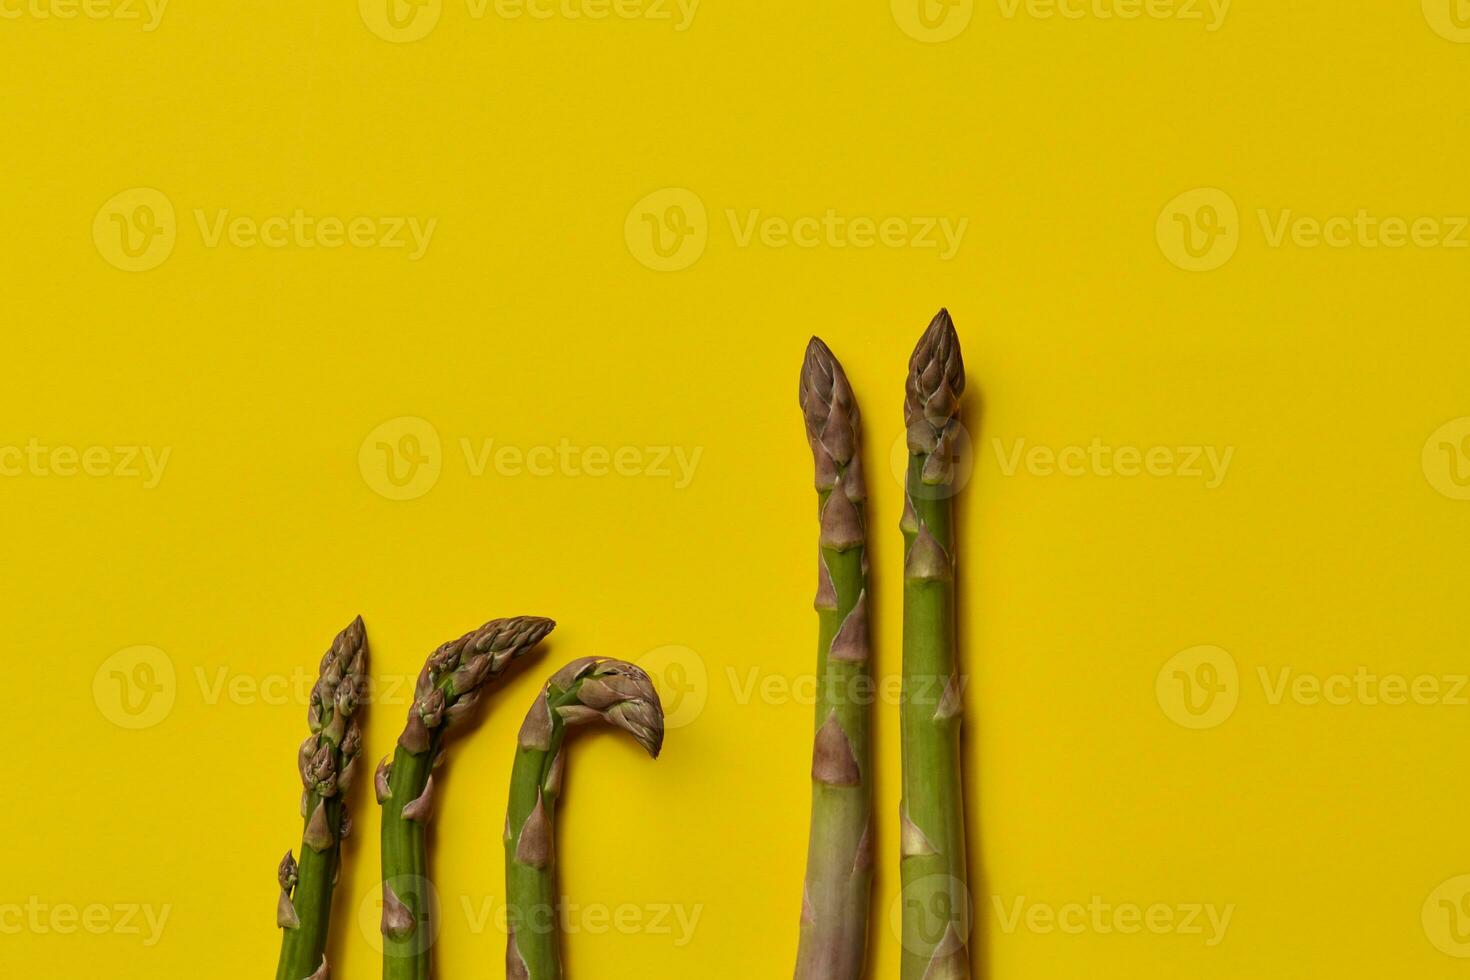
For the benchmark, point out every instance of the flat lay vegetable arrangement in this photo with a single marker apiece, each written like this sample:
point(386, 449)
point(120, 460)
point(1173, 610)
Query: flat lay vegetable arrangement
point(836, 893)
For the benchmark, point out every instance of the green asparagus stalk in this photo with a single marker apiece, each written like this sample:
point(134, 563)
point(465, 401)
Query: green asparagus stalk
point(591, 689)
point(327, 761)
point(451, 682)
point(936, 907)
point(835, 899)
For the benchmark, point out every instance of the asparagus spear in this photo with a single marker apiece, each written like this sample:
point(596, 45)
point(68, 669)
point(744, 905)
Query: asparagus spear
point(839, 876)
point(327, 761)
point(936, 911)
point(591, 689)
point(451, 682)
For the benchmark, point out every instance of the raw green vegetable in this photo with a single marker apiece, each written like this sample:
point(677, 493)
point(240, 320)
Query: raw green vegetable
point(935, 899)
point(451, 682)
point(836, 894)
point(591, 689)
point(327, 761)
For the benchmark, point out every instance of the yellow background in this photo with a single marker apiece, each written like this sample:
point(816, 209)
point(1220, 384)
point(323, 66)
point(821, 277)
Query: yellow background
point(1328, 546)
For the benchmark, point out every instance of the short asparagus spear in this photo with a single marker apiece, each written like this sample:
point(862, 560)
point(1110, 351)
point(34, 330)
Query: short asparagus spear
point(451, 682)
point(936, 908)
point(327, 762)
point(839, 875)
point(591, 689)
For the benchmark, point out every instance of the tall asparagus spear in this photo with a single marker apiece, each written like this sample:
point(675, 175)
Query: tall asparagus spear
point(327, 762)
point(591, 689)
point(936, 910)
point(448, 687)
point(839, 876)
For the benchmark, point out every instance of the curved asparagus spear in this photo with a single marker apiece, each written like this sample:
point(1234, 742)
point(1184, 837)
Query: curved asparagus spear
point(591, 689)
point(936, 910)
point(448, 687)
point(839, 875)
point(327, 761)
